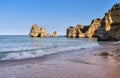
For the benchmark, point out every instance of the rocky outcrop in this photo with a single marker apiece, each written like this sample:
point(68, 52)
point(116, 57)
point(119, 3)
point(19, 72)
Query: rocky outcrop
point(95, 24)
point(110, 28)
point(106, 29)
point(41, 32)
point(78, 31)
point(55, 34)
point(84, 31)
point(71, 32)
point(35, 31)
point(48, 35)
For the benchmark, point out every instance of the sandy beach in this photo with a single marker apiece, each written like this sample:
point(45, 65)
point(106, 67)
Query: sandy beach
point(71, 64)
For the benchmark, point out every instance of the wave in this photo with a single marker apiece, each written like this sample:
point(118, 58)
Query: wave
point(118, 42)
point(39, 53)
point(19, 51)
point(24, 55)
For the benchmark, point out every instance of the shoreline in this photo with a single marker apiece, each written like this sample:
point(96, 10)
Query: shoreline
point(65, 65)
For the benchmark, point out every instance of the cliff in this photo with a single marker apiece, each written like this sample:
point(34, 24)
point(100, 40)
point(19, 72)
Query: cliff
point(110, 27)
point(77, 31)
point(106, 29)
point(94, 26)
point(84, 31)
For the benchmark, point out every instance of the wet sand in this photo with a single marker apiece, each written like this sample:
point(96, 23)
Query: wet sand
point(72, 64)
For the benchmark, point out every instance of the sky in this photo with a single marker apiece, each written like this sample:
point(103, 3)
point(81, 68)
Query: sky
point(18, 16)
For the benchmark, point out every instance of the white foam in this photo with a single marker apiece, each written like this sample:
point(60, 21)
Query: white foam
point(82, 46)
point(39, 53)
point(118, 42)
point(23, 55)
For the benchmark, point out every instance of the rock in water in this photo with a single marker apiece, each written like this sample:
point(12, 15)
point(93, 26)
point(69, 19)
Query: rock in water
point(55, 34)
point(71, 32)
point(42, 32)
point(78, 31)
point(84, 31)
point(48, 35)
point(35, 31)
point(110, 28)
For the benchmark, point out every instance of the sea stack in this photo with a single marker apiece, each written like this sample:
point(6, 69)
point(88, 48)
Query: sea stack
point(35, 31)
point(42, 32)
point(48, 35)
point(55, 34)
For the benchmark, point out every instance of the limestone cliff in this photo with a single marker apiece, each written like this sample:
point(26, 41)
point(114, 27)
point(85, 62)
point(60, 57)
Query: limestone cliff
point(74, 32)
point(110, 28)
point(95, 24)
point(107, 28)
point(84, 31)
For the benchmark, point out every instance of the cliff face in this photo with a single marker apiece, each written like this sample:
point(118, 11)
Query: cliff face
point(40, 32)
point(84, 31)
point(95, 24)
point(107, 28)
point(75, 31)
point(110, 28)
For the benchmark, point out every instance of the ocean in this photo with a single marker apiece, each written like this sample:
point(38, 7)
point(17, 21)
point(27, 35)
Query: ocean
point(14, 47)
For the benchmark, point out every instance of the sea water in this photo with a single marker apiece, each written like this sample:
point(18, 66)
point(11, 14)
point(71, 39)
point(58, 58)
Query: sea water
point(22, 47)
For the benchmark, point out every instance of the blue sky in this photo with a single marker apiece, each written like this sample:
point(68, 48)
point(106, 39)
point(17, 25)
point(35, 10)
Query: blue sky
point(17, 16)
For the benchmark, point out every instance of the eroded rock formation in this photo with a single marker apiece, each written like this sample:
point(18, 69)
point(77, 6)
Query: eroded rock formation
point(95, 24)
point(84, 31)
point(35, 31)
point(55, 34)
point(107, 28)
point(110, 28)
point(41, 32)
point(48, 35)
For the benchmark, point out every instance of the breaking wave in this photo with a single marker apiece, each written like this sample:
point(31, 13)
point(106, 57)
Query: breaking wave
point(23, 55)
point(39, 53)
